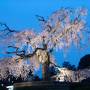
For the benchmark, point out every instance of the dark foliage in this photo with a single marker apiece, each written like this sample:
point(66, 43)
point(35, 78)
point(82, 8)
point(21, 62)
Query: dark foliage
point(36, 78)
point(68, 66)
point(52, 71)
point(10, 80)
point(87, 80)
point(84, 62)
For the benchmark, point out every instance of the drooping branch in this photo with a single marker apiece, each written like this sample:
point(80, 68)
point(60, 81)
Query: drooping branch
point(6, 31)
point(6, 28)
point(23, 55)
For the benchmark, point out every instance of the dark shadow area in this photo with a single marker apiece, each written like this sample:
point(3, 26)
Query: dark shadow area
point(84, 62)
point(55, 86)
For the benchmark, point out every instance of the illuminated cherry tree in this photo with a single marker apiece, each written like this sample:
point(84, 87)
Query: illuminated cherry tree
point(62, 29)
point(9, 67)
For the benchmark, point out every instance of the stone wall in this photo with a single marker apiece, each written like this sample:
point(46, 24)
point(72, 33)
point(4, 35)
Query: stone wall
point(46, 85)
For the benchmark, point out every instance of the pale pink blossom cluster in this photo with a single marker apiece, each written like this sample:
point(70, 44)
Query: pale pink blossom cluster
point(60, 30)
point(11, 67)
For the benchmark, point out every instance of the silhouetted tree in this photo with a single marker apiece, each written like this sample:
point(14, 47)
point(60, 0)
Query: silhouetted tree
point(69, 66)
point(84, 62)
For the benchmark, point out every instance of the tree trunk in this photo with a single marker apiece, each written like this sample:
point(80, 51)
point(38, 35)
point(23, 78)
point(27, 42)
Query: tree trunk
point(45, 70)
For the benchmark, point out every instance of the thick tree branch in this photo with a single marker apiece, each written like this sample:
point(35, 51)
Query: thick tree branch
point(40, 18)
point(7, 29)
